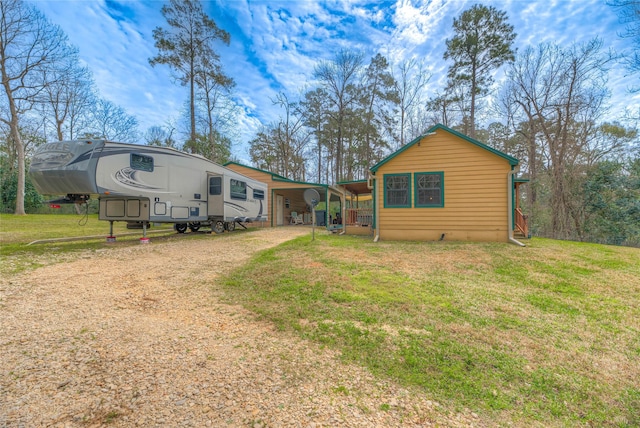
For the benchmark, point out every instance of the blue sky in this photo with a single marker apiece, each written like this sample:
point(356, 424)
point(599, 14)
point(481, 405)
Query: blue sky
point(276, 44)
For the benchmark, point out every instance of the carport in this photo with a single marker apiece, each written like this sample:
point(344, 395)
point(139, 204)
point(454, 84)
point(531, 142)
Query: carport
point(287, 196)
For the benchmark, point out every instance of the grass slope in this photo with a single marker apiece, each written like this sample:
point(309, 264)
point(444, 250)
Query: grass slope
point(543, 335)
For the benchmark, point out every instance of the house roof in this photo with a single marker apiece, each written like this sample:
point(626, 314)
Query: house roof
point(272, 174)
point(276, 177)
point(512, 161)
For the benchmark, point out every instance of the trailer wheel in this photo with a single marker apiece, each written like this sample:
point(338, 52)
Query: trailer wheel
point(195, 226)
point(218, 227)
point(181, 227)
point(230, 226)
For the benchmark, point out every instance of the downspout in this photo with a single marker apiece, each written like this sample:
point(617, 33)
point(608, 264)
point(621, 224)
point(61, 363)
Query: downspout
point(343, 211)
point(510, 176)
point(371, 185)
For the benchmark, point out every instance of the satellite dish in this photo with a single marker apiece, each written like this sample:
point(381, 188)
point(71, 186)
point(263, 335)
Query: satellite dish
point(311, 197)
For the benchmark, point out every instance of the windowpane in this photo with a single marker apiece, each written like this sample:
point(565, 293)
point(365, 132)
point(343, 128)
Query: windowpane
point(141, 162)
point(258, 194)
point(238, 189)
point(215, 185)
point(429, 190)
point(397, 191)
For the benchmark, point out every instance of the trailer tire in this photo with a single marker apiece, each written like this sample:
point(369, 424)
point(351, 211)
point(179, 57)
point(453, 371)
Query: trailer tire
point(230, 226)
point(218, 227)
point(195, 226)
point(181, 227)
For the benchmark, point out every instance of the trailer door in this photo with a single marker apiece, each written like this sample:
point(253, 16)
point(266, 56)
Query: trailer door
point(215, 201)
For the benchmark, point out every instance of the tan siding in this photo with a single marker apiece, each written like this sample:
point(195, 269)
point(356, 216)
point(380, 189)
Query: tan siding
point(475, 192)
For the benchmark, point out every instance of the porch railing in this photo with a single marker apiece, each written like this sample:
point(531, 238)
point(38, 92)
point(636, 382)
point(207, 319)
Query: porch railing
point(522, 225)
point(359, 217)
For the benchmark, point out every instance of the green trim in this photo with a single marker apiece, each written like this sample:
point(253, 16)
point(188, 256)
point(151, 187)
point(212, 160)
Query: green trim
point(394, 154)
point(521, 180)
point(512, 161)
point(304, 183)
point(341, 183)
point(384, 183)
point(272, 174)
point(512, 185)
point(416, 176)
point(375, 207)
point(277, 177)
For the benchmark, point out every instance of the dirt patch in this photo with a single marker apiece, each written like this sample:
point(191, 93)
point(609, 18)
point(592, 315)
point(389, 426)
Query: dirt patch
point(135, 336)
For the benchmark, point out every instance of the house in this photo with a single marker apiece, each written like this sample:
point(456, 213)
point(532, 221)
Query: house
point(443, 185)
point(286, 197)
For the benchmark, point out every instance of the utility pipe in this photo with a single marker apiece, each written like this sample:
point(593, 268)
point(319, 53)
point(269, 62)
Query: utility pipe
point(375, 204)
point(510, 176)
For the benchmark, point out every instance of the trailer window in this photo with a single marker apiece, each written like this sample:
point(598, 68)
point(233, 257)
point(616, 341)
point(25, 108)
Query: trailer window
point(238, 189)
point(215, 185)
point(258, 194)
point(141, 162)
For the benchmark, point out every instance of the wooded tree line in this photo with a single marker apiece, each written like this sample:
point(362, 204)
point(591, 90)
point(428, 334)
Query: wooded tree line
point(547, 110)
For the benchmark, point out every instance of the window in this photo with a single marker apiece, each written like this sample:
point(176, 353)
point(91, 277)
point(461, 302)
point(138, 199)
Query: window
point(141, 162)
point(215, 185)
point(429, 189)
point(258, 194)
point(238, 189)
point(397, 191)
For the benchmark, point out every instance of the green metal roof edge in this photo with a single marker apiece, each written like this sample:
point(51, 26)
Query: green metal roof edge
point(273, 174)
point(351, 182)
point(512, 161)
point(396, 153)
point(277, 177)
point(306, 183)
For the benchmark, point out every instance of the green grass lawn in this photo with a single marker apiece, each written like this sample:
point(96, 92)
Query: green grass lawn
point(543, 335)
point(17, 232)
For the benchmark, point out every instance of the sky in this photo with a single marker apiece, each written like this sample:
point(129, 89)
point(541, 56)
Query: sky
point(275, 46)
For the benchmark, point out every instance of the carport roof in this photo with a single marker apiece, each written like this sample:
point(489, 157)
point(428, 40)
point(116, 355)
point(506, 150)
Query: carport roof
point(358, 187)
point(277, 177)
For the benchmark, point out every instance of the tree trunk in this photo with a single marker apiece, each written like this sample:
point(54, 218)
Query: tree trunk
point(14, 132)
point(192, 100)
point(472, 113)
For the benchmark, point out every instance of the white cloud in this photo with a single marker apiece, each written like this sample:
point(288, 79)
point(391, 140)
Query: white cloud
point(275, 45)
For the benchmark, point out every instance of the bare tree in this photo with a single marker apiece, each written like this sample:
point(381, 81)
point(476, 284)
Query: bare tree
point(409, 83)
point(160, 136)
point(339, 79)
point(68, 100)
point(561, 93)
point(113, 123)
point(629, 13)
point(187, 47)
point(281, 146)
point(217, 111)
point(30, 49)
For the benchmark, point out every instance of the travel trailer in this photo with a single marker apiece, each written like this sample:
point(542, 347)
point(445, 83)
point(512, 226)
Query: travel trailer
point(149, 184)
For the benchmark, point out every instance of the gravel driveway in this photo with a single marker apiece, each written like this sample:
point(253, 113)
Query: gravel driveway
point(136, 336)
